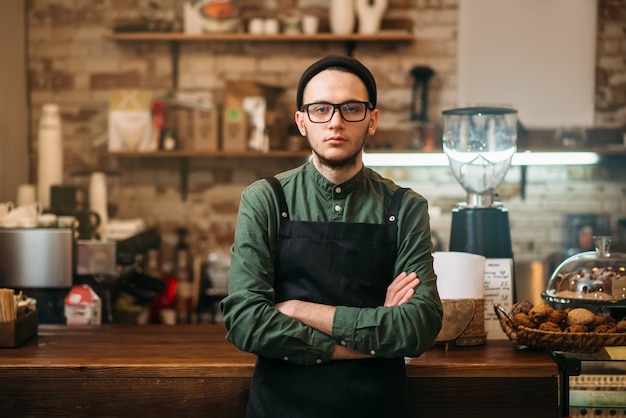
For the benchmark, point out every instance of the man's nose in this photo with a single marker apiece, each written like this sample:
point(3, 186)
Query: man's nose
point(336, 118)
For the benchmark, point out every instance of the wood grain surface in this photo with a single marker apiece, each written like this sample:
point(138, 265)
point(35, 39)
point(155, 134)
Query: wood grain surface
point(191, 370)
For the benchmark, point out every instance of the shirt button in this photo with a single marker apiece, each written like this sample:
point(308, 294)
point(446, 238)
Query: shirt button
point(286, 358)
point(373, 352)
point(338, 189)
point(337, 208)
point(318, 361)
point(343, 342)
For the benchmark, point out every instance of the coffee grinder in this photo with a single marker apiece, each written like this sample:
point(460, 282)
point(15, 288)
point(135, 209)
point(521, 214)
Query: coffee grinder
point(479, 143)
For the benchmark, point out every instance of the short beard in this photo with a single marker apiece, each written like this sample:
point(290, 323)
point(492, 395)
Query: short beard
point(344, 163)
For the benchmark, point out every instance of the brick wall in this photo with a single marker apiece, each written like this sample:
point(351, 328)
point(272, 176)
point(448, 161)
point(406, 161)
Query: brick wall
point(71, 64)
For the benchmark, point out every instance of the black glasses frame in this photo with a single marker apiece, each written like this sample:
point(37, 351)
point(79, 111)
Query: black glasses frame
point(337, 106)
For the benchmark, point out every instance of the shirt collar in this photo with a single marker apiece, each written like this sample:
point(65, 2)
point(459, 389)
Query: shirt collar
point(347, 186)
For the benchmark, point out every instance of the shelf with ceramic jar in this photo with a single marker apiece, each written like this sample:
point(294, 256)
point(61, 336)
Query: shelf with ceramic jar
point(382, 36)
point(392, 30)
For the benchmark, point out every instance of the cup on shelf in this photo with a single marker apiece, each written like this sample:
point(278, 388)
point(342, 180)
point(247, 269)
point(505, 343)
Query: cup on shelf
point(310, 24)
point(292, 25)
point(256, 26)
point(25, 216)
point(270, 26)
point(67, 222)
point(47, 220)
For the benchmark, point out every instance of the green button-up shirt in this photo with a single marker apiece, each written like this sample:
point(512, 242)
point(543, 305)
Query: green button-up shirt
point(256, 326)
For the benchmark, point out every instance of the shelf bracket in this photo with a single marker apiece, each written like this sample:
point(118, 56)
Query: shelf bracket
point(184, 178)
point(350, 47)
point(523, 181)
point(174, 54)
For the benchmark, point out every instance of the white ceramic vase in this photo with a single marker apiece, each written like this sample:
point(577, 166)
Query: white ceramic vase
point(341, 16)
point(49, 153)
point(370, 14)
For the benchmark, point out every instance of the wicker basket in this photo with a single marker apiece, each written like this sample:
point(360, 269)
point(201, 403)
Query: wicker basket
point(577, 342)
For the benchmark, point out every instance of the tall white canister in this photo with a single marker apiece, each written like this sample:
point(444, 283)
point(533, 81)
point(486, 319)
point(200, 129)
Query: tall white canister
point(341, 17)
point(50, 153)
point(98, 199)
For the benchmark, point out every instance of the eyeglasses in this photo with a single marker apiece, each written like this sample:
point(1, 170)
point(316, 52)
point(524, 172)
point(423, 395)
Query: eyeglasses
point(322, 112)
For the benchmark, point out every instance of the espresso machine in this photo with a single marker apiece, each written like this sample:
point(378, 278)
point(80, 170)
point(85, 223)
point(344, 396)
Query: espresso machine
point(480, 143)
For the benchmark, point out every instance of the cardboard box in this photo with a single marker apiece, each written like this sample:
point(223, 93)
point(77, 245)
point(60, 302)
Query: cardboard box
point(241, 127)
point(83, 306)
point(15, 333)
point(197, 129)
point(183, 127)
point(205, 128)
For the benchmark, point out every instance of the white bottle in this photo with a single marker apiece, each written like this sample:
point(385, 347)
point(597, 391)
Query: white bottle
point(341, 16)
point(50, 153)
point(98, 199)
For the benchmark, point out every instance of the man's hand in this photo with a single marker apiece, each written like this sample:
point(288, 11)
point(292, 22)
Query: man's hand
point(401, 289)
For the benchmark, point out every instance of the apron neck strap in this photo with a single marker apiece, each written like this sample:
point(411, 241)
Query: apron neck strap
point(394, 208)
point(280, 195)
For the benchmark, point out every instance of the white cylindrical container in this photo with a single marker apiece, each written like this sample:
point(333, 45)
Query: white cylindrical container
point(98, 199)
point(50, 153)
point(370, 14)
point(255, 26)
point(26, 194)
point(341, 16)
point(310, 24)
point(271, 26)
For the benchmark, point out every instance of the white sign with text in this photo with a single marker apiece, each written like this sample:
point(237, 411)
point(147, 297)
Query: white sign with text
point(498, 291)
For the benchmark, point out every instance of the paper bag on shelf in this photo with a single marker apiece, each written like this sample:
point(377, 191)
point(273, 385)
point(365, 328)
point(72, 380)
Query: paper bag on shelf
point(130, 121)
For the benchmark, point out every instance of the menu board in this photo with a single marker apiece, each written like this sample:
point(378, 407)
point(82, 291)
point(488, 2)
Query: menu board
point(498, 291)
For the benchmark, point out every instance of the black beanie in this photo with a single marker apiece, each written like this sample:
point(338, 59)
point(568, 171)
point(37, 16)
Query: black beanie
point(352, 65)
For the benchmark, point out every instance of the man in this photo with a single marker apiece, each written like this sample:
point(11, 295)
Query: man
point(324, 280)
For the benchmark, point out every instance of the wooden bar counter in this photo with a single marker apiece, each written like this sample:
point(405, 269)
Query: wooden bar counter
point(191, 370)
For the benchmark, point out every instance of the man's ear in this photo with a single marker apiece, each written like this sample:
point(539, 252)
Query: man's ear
point(300, 123)
point(373, 122)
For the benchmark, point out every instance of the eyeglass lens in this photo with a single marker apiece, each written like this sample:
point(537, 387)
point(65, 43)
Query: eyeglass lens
point(323, 112)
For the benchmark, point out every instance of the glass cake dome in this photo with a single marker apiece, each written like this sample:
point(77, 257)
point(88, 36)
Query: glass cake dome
point(595, 280)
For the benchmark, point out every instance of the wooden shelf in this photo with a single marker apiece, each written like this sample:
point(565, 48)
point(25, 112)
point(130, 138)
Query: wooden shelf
point(175, 38)
point(383, 36)
point(185, 155)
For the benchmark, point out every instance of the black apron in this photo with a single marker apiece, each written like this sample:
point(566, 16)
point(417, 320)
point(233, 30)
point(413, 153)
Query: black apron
point(333, 263)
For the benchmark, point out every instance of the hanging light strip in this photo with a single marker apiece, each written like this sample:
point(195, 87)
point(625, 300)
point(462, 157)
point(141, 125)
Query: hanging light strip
point(400, 159)
point(555, 158)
